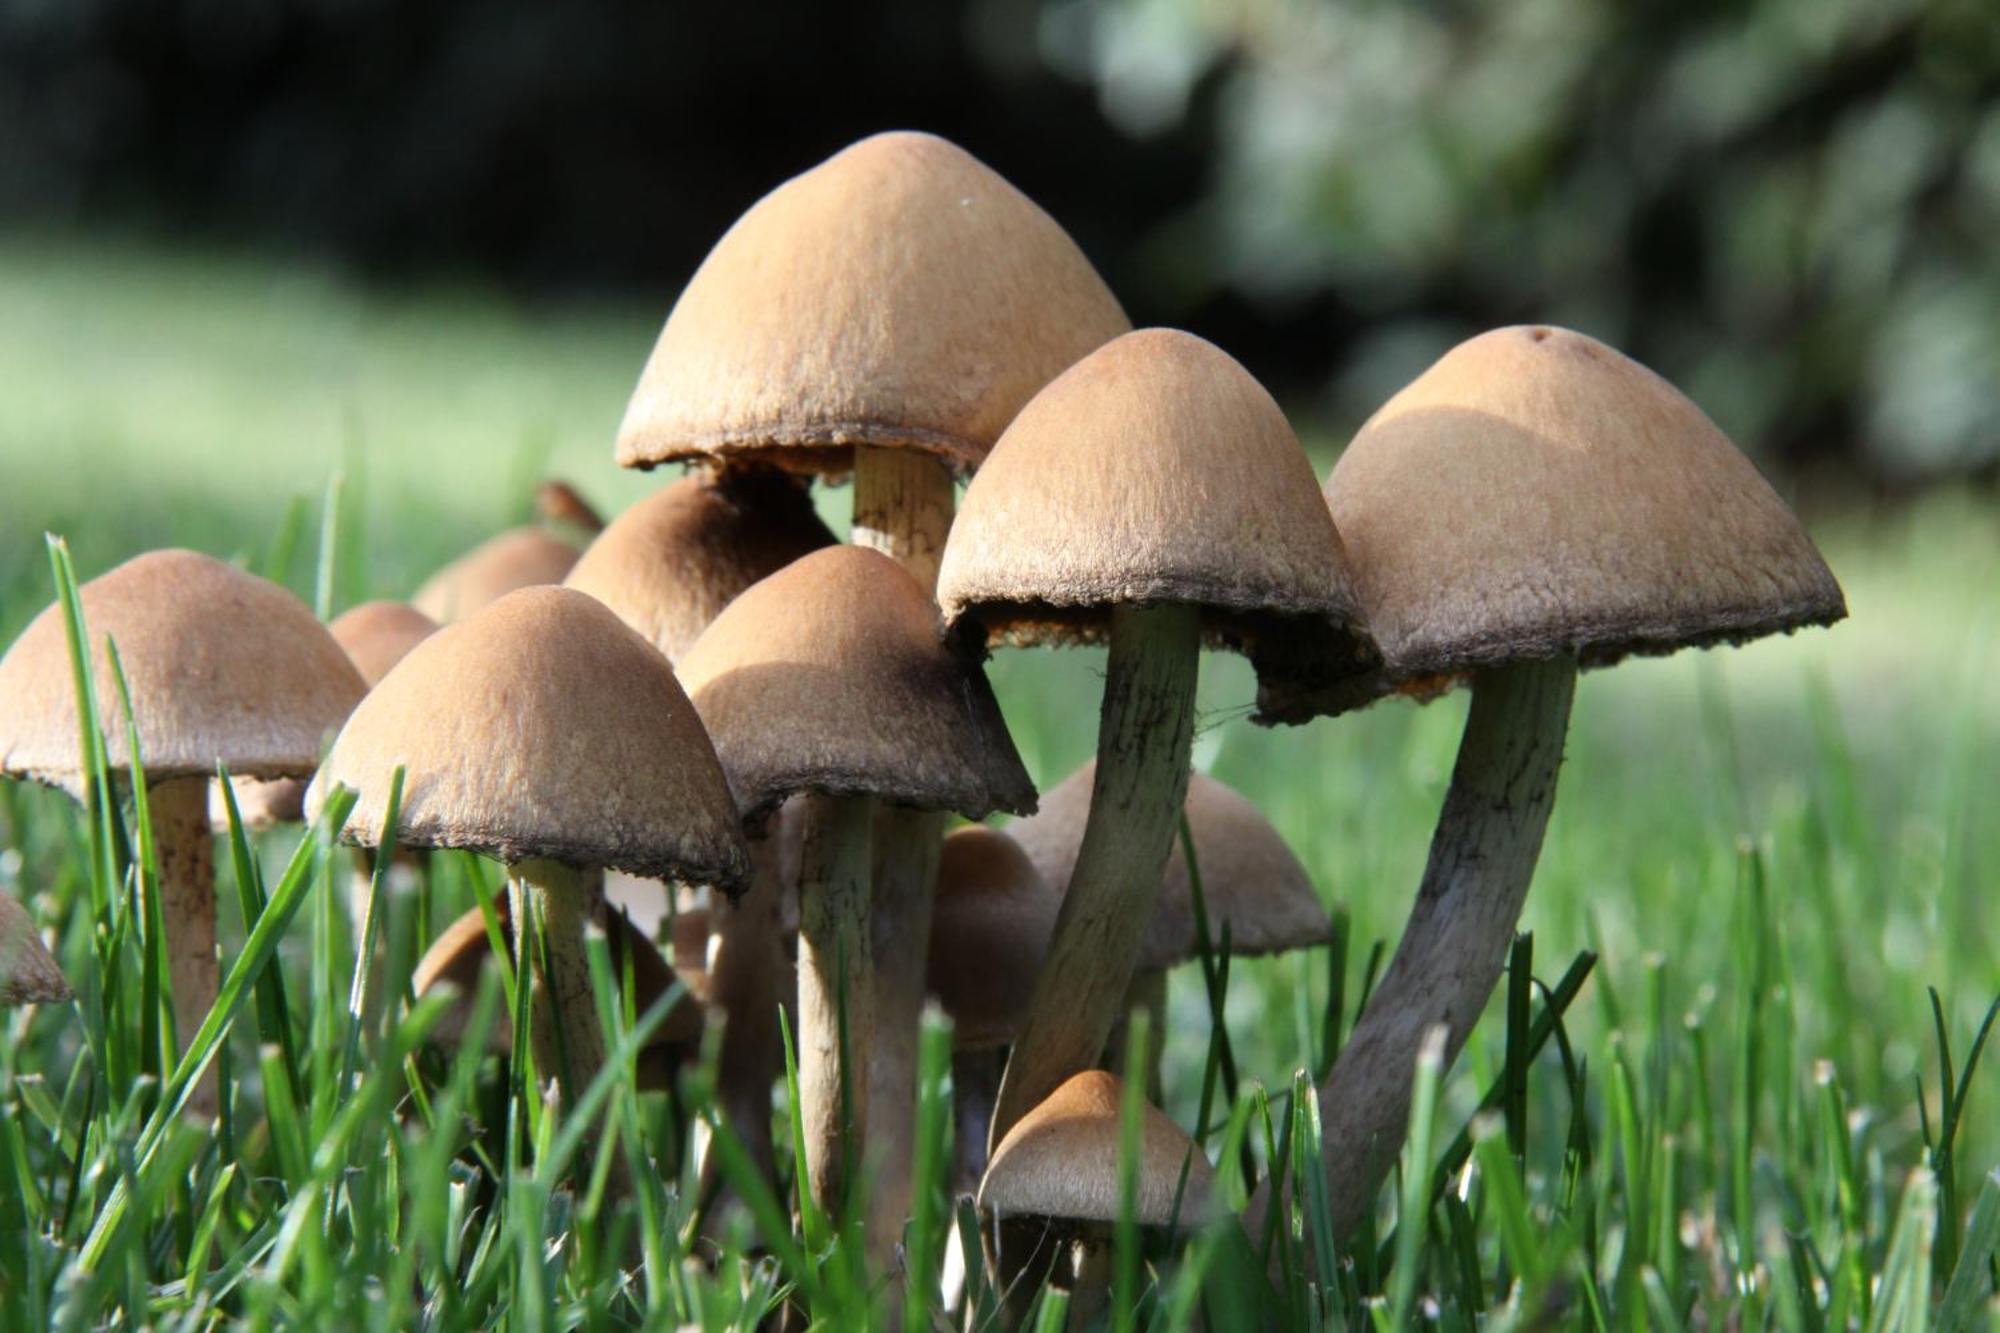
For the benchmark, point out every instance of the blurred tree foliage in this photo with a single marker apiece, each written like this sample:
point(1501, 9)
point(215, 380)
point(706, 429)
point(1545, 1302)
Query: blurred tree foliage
point(1791, 207)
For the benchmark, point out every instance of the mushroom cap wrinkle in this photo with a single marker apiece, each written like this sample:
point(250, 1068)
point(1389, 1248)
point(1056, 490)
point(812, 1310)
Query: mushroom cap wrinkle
point(670, 563)
point(830, 676)
point(1537, 493)
point(899, 294)
point(1060, 1161)
point(222, 666)
point(541, 726)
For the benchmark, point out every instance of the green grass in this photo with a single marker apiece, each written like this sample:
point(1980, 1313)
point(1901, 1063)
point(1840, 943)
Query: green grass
point(1751, 1110)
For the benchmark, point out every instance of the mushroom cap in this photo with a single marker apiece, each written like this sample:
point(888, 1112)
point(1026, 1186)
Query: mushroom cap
point(1154, 470)
point(830, 676)
point(518, 558)
point(1249, 877)
point(671, 562)
point(990, 927)
point(540, 727)
point(377, 635)
point(900, 294)
point(223, 667)
point(1536, 493)
point(1060, 1161)
point(462, 949)
point(28, 974)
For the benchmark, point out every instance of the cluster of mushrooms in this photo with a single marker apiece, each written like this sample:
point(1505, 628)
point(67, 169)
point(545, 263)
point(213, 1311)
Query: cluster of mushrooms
point(717, 734)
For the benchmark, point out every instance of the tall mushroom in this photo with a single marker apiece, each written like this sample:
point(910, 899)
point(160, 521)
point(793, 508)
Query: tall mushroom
point(884, 314)
point(1533, 503)
point(223, 668)
point(829, 678)
point(1152, 497)
point(543, 732)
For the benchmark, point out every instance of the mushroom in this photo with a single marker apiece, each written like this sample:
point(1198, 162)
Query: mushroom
point(543, 732)
point(525, 557)
point(829, 678)
point(886, 313)
point(223, 668)
point(1153, 496)
point(1251, 883)
point(1533, 503)
point(558, 504)
point(458, 955)
point(1057, 1169)
point(28, 974)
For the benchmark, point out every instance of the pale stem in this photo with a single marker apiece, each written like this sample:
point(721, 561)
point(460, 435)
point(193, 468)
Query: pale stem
point(184, 848)
point(834, 968)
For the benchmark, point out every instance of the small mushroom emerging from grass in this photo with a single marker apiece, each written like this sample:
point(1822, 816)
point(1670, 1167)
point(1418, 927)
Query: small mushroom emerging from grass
point(529, 556)
point(1153, 497)
point(1533, 503)
point(28, 972)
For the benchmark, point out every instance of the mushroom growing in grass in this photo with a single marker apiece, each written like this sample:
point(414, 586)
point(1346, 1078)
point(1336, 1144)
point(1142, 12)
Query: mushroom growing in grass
point(883, 315)
point(529, 556)
point(1532, 504)
point(28, 973)
point(1154, 498)
point(1054, 1181)
point(543, 732)
point(223, 668)
point(1253, 887)
point(830, 678)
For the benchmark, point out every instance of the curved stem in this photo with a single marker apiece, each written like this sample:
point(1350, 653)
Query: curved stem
point(1144, 737)
point(834, 966)
point(184, 846)
point(1489, 836)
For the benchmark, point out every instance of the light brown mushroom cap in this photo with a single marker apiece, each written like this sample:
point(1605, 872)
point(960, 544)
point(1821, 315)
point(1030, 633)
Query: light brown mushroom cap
point(1250, 880)
point(669, 564)
point(1060, 1161)
point(518, 558)
point(462, 949)
point(990, 927)
point(541, 727)
point(830, 676)
point(222, 666)
point(899, 294)
point(1155, 470)
point(377, 635)
point(28, 974)
point(1537, 493)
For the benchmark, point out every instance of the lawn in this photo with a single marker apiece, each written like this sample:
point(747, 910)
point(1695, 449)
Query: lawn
point(1777, 854)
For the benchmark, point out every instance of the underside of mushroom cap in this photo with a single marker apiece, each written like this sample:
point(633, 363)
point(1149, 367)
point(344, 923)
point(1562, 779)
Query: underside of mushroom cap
point(1251, 882)
point(1156, 470)
point(670, 563)
point(830, 676)
point(1536, 493)
point(518, 558)
point(1060, 1161)
point(541, 727)
point(222, 666)
point(900, 294)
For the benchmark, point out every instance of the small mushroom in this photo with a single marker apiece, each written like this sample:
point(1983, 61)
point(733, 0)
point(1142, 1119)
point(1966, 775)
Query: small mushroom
point(28, 973)
point(1533, 503)
point(223, 668)
point(1153, 497)
point(525, 557)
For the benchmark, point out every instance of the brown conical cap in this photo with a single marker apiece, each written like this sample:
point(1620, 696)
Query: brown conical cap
point(1155, 470)
point(1537, 493)
point(518, 558)
point(1250, 880)
point(669, 564)
point(541, 727)
point(222, 666)
point(899, 294)
point(1060, 1161)
point(990, 927)
point(377, 635)
point(28, 973)
point(830, 676)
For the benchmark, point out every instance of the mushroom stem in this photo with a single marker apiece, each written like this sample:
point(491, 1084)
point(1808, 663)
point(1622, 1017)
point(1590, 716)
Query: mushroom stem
point(907, 843)
point(1144, 738)
point(834, 969)
point(745, 962)
point(1089, 1283)
point(564, 1031)
point(184, 848)
point(902, 507)
point(1483, 855)
point(975, 1082)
